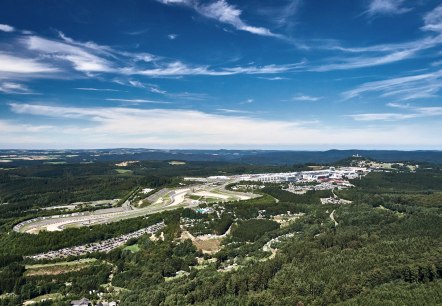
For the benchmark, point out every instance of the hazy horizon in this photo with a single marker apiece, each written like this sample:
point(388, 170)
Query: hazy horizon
point(217, 149)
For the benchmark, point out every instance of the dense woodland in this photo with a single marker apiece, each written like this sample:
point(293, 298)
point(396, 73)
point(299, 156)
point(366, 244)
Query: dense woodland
point(385, 250)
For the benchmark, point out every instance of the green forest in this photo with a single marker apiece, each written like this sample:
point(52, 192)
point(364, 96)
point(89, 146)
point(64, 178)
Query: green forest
point(384, 249)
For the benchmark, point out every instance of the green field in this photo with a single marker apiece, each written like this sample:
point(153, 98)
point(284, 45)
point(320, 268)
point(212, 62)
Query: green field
point(124, 171)
point(133, 248)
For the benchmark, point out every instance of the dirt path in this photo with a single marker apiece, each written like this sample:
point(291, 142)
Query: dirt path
point(332, 217)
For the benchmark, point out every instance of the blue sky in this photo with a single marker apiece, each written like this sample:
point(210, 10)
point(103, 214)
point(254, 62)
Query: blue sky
point(275, 74)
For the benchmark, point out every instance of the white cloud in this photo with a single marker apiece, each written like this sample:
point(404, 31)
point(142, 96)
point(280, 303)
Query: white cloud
point(157, 90)
point(273, 78)
point(424, 43)
point(346, 63)
point(80, 57)
point(266, 69)
point(95, 89)
point(86, 57)
point(6, 28)
point(196, 96)
point(382, 54)
point(381, 117)
point(136, 32)
point(67, 56)
point(178, 68)
point(433, 20)
point(398, 105)
point(386, 7)
point(137, 101)
point(306, 98)
point(408, 112)
point(405, 88)
point(141, 57)
point(234, 111)
point(132, 127)
point(285, 15)
point(187, 2)
point(14, 88)
point(10, 64)
point(226, 13)
point(169, 69)
point(223, 12)
point(136, 83)
point(172, 36)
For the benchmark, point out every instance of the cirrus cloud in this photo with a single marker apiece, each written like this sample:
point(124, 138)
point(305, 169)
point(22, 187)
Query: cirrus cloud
point(223, 12)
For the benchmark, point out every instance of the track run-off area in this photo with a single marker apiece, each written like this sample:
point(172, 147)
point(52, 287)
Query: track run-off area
point(211, 191)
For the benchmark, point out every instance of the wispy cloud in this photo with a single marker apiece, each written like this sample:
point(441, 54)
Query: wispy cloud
point(80, 57)
point(179, 68)
point(248, 101)
point(408, 112)
point(14, 88)
point(386, 7)
point(172, 36)
point(137, 101)
point(404, 88)
point(6, 28)
point(273, 78)
point(11, 64)
point(433, 20)
point(346, 63)
point(196, 96)
point(95, 89)
point(91, 59)
point(155, 89)
point(381, 116)
point(234, 111)
point(421, 44)
point(376, 55)
point(223, 12)
point(306, 98)
point(136, 32)
point(86, 57)
point(285, 16)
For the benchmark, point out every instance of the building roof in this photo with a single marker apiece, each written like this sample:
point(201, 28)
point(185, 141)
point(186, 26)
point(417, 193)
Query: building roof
point(82, 302)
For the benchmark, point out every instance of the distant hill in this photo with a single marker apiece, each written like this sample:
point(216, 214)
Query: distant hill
point(294, 157)
point(261, 157)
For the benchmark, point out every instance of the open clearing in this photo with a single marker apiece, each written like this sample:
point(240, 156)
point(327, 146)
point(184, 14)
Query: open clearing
point(133, 248)
point(124, 171)
point(176, 163)
point(41, 298)
point(208, 246)
point(58, 268)
point(204, 244)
